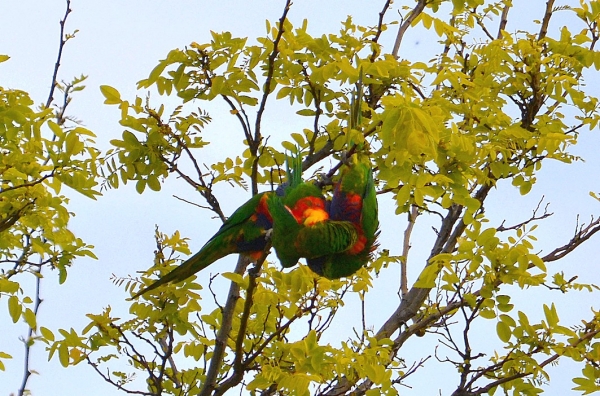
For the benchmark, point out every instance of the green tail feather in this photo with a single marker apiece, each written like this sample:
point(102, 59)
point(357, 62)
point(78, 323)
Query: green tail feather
point(205, 257)
point(244, 231)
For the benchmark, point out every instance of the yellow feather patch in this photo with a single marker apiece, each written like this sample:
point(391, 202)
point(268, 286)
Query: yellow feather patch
point(313, 216)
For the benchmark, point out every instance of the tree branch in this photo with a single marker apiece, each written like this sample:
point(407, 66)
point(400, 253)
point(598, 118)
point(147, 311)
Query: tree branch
point(587, 335)
point(503, 21)
point(243, 120)
point(37, 299)
point(108, 379)
point(412, 217)
point(61, 45)
point(582, 234)
point(407, 22)
point(238, 366)
point(30, 184)
point(375, 39)
point(210, 383)
point(479, 20)
point(267, 91)
point(546, 20)
point(204, 189)
point(533, 217)
point(28, 342)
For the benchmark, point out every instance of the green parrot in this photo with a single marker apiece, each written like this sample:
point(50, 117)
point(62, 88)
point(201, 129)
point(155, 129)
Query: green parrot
point(354, 200)
point(301, 224)
point(244, 232)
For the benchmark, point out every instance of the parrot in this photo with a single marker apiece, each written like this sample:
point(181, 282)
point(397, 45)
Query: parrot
point(244, 232)
point(301, 224)
point(354, 200)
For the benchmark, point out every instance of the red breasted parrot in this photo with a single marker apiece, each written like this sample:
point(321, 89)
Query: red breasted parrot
point(244, 232)
point(354, 200)
point(301, 224)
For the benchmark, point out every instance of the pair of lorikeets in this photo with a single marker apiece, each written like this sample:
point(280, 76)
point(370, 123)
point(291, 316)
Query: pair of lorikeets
point(335, 237)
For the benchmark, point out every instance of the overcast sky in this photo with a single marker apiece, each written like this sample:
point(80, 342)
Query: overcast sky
point(118, 43)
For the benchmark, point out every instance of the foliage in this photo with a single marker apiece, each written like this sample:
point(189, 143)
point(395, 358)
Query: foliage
point(491, 106)
point(39, 155)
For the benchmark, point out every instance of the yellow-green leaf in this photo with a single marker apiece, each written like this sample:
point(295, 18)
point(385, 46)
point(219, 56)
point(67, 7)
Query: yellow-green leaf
point(63, 355)
point(14, 308)
point(47, 334)
point(29, 317)
point(503, 331)
point(112, 95)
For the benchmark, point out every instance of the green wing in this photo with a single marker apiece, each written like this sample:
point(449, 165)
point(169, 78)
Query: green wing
point(301, 227)
point(354, 201)
point(292, 240)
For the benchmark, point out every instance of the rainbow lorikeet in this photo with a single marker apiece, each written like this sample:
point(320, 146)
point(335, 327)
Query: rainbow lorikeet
point(354, 200)
point(301, 224)
point(244, 232)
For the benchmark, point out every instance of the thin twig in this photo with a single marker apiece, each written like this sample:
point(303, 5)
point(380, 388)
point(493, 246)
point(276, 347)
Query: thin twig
point(61, 45)
point(108, 379)
point(582, 234)
point(534, 217)
point(238, 113)
point(191, 203)
point(479, 19)
point(267, 91)
point(29, 340)
point(318, 111)
point(37, 299)
point(585, 337)
point(30, 184)
point(375, 39)
point(204, 189)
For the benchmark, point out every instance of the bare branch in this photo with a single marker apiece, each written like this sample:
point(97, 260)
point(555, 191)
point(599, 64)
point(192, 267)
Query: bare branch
point(375, 39)
point(13, 217)
point(445, 242)
point(479, 19)
point(61, 45)
point(318, 111)
point(167, 349)
point(267, 91)
point(192, 203)
point(108, 379)
point(582, 234)
point(204, 188)
point(533, 217)
point(243, 120)
point(28, 342)
point(37, 299)
point(546, 20)
point(407, 22)
point(503, 20)
point(412, 217)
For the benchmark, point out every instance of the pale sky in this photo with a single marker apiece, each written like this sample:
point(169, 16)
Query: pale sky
point(118, 43)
